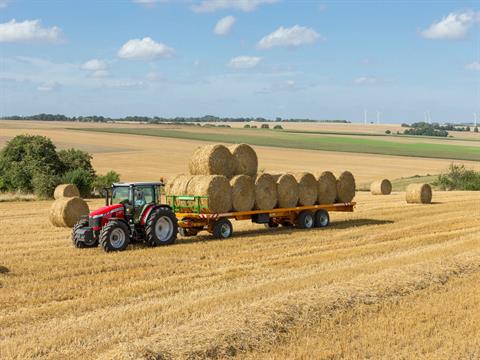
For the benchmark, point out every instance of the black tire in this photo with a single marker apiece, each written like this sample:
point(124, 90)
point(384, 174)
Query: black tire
point(305, 220)
point(110, 233)
point(322, 219)
point(79, 243)
point(222, 229)
point(161, 227)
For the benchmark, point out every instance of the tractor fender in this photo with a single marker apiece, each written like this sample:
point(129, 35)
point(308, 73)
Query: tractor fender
point(149, 210)
point(118, 219)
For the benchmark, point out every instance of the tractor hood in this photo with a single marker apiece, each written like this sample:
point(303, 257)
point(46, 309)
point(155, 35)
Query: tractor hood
point(106, 210)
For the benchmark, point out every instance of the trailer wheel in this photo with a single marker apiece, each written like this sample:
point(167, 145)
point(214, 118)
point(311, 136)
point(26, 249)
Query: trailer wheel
point(222, 229)
point(114, 236)
point(322, 219)
point(305, 220)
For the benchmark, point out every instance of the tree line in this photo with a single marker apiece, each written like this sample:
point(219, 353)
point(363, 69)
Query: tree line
point(157, 119)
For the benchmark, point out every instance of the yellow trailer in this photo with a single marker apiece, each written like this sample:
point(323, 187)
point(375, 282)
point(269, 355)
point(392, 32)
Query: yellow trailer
point(193, 217)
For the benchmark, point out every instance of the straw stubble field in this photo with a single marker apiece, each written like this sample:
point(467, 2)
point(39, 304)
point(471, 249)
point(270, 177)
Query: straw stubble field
point(390, 280)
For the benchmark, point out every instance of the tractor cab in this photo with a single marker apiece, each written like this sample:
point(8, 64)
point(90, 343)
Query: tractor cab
point(132, 212)
point(135, 197)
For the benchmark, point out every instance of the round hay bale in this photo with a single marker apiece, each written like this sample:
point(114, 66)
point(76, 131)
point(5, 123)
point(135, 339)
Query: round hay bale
point(418, 194)
point(287, 190)
point(265, 192)
point(212, 160)
point(307, 188)
point(216, 188)
point(178, 185)
point(66, 190)
point(65, 212)
point(326, 188)
point(345, 187)
point(381, 187)
point(246, 161)
point(243, 192)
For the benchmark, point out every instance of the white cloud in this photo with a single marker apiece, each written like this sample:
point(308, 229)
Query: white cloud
point(149, 3)
point(100, 74)
point(453, 26)
point(48, 86)
point(244, 5)
point(289, 37)
point(224, 25)
point(28, 30)
point(473, 66)
point(365, 80)
point(154, 76)
point(95, 65)
point(3, 3)
point(244, 62)
point(145, 48)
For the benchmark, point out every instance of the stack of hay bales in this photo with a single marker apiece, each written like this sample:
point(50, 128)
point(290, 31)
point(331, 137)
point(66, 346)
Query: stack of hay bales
point(229, 177)
point(68, 207)
point(381, 187)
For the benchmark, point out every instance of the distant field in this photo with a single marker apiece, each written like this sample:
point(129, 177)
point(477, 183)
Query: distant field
point(300, 141)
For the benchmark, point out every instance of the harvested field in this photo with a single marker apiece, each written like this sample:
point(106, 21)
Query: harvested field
point(273, 293)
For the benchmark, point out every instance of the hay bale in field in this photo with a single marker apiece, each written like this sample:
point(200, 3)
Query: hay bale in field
point(287, 190)
point(245, 158)
point(418, 194)
point(213, 159)
point(326, 188)
point(381, 187)
point(307, 188)
point(345, 187)
point(243, 192)
point(66, 190)
point(265, 192)
point(65, 212)
point(216, 188)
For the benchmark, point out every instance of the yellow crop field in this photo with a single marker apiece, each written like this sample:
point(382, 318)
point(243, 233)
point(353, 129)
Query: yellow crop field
point(390, 280)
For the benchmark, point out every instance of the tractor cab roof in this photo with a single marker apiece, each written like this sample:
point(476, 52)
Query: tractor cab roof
point(129, 184)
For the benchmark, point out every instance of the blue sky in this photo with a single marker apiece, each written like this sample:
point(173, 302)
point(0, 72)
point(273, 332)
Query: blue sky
point(301, 59)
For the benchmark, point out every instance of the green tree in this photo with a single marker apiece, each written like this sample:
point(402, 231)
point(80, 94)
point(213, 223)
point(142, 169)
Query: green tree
point(388, 132)
point(82, 178)
point(25, 156)
point(278, 127)
point(44, 185)
point(265, 126)
point(73, 159)
point(475, 129)
point(105, 181)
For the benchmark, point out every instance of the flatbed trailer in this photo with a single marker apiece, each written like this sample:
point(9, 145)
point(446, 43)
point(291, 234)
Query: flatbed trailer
point(194, 218)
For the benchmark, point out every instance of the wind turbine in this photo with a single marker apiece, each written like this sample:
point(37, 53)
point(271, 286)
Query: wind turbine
point(365, 116)
point(475, 119)
point(378, 117)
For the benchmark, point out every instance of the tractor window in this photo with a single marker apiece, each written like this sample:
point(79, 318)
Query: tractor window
point(120, 195)
point(144, 195)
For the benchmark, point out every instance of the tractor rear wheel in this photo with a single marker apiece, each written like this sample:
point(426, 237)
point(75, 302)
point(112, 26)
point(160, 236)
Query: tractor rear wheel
point(114, 236)
point(77, 241)
point(161, 227)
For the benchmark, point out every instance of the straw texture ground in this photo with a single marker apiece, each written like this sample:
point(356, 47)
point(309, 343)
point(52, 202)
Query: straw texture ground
point(307, 188)
point(345, 187)
point(287, 190)
point(66, 190)
point(418, 194)
point(213, 159)
point(265, 192)
point(246, 161)
point(381, 187)
point(65, 212)
point(243, 192)
point(327, 188)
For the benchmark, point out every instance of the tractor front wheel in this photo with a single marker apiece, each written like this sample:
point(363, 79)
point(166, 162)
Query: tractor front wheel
point(114, 236)
point(78, 242)
point(161, 227)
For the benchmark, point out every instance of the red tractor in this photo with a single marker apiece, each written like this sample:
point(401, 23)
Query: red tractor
point(132, 212)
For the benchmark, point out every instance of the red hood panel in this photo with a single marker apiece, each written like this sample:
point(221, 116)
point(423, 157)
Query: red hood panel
point(106, 209)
